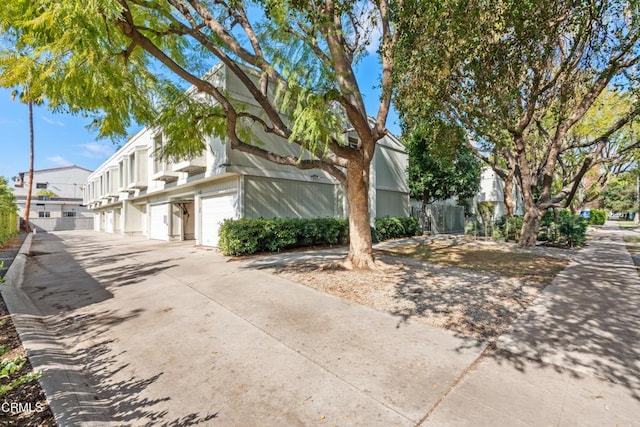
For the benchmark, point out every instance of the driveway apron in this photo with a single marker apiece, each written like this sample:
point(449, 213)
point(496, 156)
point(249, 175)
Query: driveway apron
point(130, 331)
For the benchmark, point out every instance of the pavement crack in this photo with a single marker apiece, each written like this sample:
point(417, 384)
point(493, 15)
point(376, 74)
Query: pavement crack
point(456, 382)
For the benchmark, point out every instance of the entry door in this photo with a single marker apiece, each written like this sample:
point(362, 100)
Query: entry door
point(159, 226)
point(215, 210)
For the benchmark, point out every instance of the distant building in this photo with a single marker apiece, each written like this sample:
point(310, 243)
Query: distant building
point(56, 198)
point(137, 193)
point(492, 190)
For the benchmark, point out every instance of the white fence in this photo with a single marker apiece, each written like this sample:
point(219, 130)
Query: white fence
point(60, 224)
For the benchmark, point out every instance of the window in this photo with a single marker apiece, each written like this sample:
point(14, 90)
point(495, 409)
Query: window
point(44, 214)
point(69, 214)
point(41, 185)
point(44, 198)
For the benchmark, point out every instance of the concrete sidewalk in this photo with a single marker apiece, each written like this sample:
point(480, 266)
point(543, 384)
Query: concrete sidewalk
point(130, 331)
point(573, 358)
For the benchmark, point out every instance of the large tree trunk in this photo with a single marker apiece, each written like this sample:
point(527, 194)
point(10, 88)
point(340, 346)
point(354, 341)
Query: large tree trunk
point(30, 186)
point(530, 223)
point(360, 251)
point(508, 195)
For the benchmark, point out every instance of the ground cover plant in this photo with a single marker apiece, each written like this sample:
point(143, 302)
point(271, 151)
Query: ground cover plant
point(18, 383)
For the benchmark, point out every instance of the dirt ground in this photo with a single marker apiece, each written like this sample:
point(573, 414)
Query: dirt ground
point(476, 289)
point(25, 405)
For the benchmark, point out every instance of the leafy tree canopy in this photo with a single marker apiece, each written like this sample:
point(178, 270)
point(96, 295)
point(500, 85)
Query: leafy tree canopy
point(125, 61)
point(7, 199)
point(519, 76)
point(621, 194)
point(440, 163)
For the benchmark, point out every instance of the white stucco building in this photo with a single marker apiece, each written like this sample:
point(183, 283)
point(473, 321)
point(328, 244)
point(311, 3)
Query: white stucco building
point(56, 198)
point(134, 193)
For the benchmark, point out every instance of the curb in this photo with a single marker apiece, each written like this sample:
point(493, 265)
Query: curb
point(66, 388)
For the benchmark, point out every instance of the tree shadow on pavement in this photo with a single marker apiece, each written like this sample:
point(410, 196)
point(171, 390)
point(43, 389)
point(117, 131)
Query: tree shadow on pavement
point(84, 378)
point(586, 321)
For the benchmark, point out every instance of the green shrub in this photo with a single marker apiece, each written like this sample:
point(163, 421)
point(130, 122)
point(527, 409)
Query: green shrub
point(242, 236)
point(393, 227)
point(249, 236)
point(508, 228)
point(388, 228)
point(597, 217)
point(569, 230)
point(573, 230)
point(411, 226)
point(547, 219)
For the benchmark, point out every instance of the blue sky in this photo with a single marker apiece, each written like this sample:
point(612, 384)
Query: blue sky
point(63, 139)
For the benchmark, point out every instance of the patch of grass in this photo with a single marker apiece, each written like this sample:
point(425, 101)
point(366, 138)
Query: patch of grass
point(531, 267)
point(627, 224)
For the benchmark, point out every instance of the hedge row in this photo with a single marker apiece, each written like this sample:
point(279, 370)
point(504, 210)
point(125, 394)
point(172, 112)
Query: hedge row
point(249, 236)
point(8, 225)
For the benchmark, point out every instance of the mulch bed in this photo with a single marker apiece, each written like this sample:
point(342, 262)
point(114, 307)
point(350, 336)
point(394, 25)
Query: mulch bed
point(26, 404)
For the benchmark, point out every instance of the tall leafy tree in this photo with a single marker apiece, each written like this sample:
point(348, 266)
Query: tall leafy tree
point(519, 76)
point(587, 162)
point(621, 193)
point(441, 165)
point(126, 60)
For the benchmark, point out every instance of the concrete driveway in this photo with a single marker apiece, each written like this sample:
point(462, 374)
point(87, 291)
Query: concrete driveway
point(130, 331)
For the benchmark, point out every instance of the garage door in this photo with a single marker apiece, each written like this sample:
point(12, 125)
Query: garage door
point(159, 226)
point(214, 211)
point(109, 222)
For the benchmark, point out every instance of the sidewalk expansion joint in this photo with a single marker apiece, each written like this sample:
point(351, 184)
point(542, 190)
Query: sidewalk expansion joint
point(456, 382)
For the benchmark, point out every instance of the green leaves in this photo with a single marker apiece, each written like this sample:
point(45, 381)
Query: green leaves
point(248, 236)
point(8, 212)
point(621, 194)
point(440, 164)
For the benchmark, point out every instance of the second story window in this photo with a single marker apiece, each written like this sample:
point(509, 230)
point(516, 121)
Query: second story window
point(41, 185)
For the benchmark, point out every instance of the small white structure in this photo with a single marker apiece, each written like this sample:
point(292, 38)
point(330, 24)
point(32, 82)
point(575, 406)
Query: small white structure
point(56, 198)
point(492, 190)
point(135, 193)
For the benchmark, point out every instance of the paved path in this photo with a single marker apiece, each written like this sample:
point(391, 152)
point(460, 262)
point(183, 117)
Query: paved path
point(130, 331)
point(572, 359)
point(136, 332)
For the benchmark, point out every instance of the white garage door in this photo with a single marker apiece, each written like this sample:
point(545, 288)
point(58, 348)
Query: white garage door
point(159, 227)
point(109, 222)
point(214, 211)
